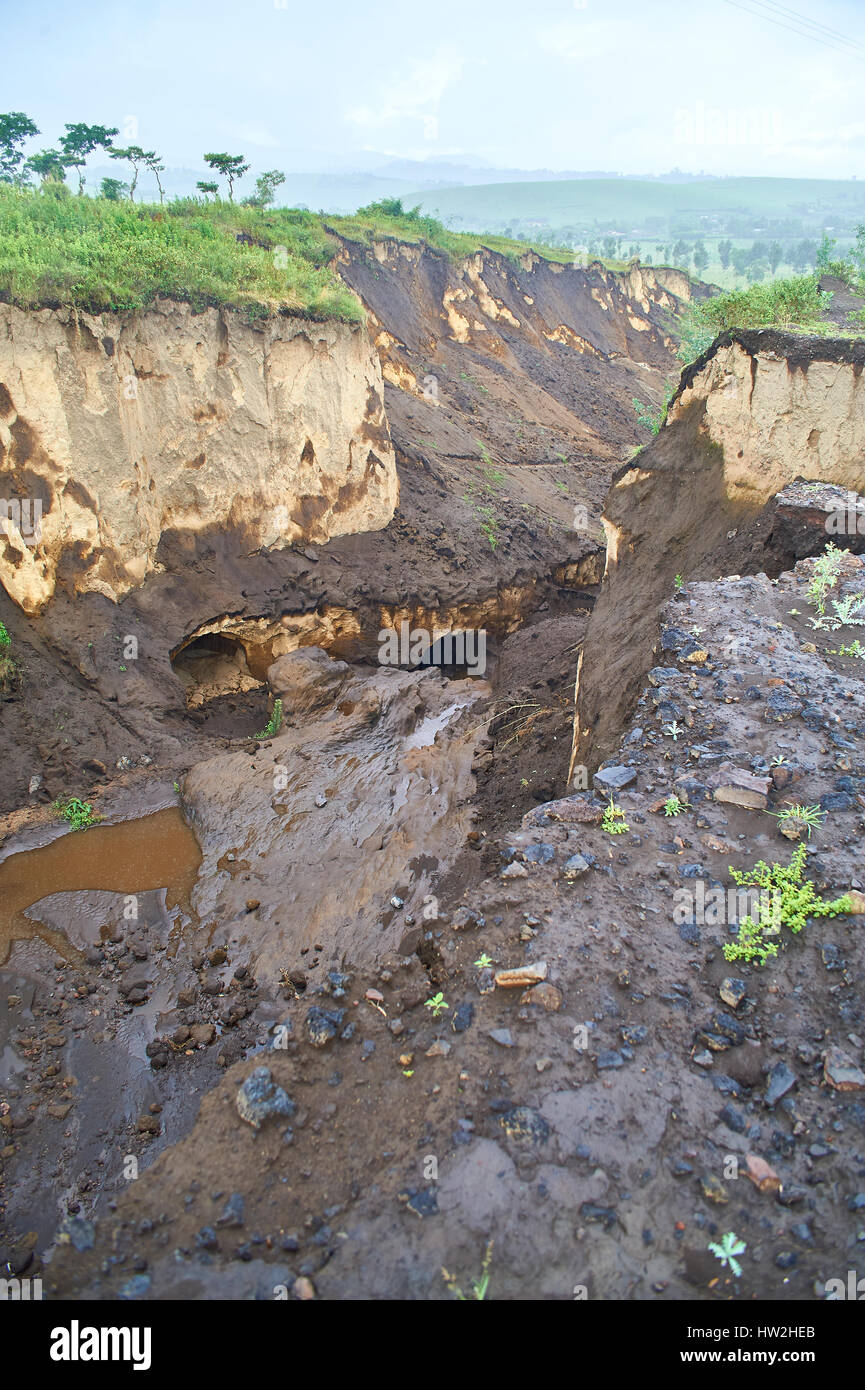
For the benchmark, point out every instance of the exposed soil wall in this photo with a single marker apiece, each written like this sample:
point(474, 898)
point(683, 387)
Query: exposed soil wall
point(169, 421)
point(754, 413)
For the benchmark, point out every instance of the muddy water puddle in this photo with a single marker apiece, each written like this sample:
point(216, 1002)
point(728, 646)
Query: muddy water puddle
point(158, 851)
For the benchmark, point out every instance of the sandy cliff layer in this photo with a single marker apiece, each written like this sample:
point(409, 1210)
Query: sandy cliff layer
point(126, 430)
point(754, 413)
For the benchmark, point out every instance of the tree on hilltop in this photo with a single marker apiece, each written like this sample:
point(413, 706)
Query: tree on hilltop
point(15, 128)
point(80, 141)
point(265, 189)
point(49, 165)
point(230, 166)
point(137, 157)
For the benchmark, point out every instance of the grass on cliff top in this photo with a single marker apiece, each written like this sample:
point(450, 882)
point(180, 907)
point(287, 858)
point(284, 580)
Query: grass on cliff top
point(796, 305)
point(374, 223)
point(58, 248)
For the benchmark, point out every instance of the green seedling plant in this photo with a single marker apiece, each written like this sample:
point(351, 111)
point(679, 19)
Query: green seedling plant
point(787, 899)
point(679, 582)
point(673, 730)
point(778, 761)
point(827, 568)
point(852, 649)
point(479, 1286)
point(274, 723)
point(614, 820)
point(436, 1004)
point(848, 613)
point(807, 818)
point(10, 675)
point(726, 1251)
point(483, 961)
point(673, 806)
point(77, 813)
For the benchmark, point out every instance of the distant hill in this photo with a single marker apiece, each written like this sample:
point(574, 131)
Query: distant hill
point(653, 208)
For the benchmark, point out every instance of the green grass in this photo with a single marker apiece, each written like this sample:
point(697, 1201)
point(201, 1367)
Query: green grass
point(373, 223)
point(795, 303)
point(57, 248)
point(100, 255)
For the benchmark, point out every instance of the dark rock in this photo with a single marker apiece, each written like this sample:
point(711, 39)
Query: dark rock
point(322, 1025)
point(260, 1099)
point(781, 1080)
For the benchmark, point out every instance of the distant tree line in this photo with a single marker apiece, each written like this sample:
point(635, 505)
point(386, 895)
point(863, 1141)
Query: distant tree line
point(50, 166)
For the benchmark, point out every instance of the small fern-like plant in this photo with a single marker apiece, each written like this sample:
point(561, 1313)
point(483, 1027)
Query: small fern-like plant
point(77, 813)
point(786, 899)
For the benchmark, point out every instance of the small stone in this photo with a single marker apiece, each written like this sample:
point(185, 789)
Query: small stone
point(548, 996)
point(613, 779)
point(440, 1048)
point(422, 1202)
point(463, 1017)
point(576, 867)
point(609, 1060)
point(260, 1099)
point(762, 1174)
point(320, 800)
point(737, 787)
point(515, 870)
point(841, 1072)
point(322, 1025)
point(714, 1190)
point(733, 991)
point(503, 1037)
point(780, 1081)
point(524, 1125)
point(539, 854)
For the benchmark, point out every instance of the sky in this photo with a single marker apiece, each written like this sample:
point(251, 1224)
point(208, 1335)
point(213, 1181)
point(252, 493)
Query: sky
point(634, 86)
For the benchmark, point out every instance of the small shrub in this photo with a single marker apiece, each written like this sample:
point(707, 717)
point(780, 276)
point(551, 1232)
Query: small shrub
point(614, 820)
point(787, 899)
point(77, 813)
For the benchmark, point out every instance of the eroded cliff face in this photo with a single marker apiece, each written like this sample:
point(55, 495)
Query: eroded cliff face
point(757, 411)
point(553, 345)
point(126, 431)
